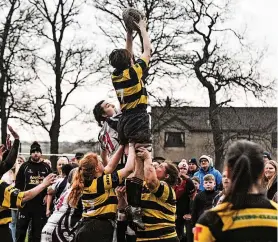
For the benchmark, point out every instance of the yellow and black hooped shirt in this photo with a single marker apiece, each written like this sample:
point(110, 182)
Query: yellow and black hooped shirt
point(129, 86)
point(10, 197)
point(255, 222)
point(159, 208)
point(99, 200)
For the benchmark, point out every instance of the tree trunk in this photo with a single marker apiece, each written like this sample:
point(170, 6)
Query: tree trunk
point(54, 143)
point(214, 118)
point(4, 119)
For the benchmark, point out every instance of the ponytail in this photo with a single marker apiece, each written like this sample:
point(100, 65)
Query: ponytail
point(77, 188)
point(242, 181)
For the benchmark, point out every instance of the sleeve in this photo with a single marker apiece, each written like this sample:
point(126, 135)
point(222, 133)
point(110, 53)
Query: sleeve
point(164, 192)
point(208, 228)
point(10, 197)
point(140, 66)
point(20, 180)
point(9, 161)
point(190, 188)
point(105, 182)
point(202, 234)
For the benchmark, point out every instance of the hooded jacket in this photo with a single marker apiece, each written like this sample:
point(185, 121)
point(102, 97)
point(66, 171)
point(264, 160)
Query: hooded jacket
point(211, 170)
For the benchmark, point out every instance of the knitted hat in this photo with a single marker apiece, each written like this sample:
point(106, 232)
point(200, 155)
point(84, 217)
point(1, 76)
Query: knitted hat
point(267, 154)
point(193, 160)
point(183, 164)
point(35, 147)
point(79, 155)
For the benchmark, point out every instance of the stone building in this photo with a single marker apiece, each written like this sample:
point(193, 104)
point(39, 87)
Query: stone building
point(185, 132)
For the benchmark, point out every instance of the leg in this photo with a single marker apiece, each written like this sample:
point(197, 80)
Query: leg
point(38, 221)
point(134, 191)
point(23, 220)
point(180, 227)
point(5, 233)
point(189, 234)
point(12, 225)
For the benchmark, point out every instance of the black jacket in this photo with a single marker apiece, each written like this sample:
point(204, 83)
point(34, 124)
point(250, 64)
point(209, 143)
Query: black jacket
point(202, 202)
point(30, 175)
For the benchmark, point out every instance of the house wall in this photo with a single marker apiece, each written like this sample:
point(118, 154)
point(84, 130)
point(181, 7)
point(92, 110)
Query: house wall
point(197, 144)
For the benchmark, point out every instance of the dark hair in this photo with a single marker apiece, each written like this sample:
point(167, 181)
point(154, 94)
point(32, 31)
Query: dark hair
point(98, 112)
point(245, 163)
point(158, 159)
point(66, 169)
point(120, 59)
point(173, 172)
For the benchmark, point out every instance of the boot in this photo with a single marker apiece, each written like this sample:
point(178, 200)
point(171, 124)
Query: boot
point(135, 215)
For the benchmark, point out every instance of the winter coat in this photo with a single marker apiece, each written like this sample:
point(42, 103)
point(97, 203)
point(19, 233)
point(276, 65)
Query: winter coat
point(217, 175)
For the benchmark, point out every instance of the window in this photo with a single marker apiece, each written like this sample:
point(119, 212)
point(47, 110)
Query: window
point(174, 139)
point(274, 140)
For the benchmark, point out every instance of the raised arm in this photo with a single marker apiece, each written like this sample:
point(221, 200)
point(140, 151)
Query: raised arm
point(112, 164)
point(129, 41)
point(142, 25)
point(149, 170)
point(9, 161)
point(47, 181)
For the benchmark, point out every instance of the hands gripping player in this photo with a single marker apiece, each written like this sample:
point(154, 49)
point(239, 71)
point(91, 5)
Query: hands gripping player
point(133, 126)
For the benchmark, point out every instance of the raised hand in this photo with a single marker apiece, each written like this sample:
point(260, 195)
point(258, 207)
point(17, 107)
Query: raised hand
point(50, 179)
point(143, 153)
point(142, 25)
point(14, 134)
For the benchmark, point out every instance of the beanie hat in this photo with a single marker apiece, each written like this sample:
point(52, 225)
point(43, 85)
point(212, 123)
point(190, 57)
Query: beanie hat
point(193, 160)
point(267, 154)
point(206, 157)
point(183, 164)
point(35, 147)
point(79, 155)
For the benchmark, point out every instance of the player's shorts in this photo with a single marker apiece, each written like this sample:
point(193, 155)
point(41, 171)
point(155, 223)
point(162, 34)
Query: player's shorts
point(134, 127)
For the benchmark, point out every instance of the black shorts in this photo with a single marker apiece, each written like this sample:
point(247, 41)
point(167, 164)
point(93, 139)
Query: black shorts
point(134, 127)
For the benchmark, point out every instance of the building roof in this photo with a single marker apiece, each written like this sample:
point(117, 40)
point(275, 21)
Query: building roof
point(231, 118)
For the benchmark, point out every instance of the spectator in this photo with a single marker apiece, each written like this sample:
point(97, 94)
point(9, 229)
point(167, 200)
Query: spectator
point(62, 161)
point(207, 168)
point(203, 200)
point(192, 167)
point(185, 191)
point(270, 176)
point(30, 175)
point(196, 182)
point(221, 195)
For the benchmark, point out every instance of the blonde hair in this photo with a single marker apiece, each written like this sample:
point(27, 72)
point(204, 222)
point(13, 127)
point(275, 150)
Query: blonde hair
point(209, 177)
point(85, 174)
point(274, 178)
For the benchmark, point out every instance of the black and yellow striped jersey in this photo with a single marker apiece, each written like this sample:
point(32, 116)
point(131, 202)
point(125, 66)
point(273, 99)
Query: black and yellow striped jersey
point(159, 208)
point(129, 86)
point(256, 221)
point(99, 200)
point(10, 197)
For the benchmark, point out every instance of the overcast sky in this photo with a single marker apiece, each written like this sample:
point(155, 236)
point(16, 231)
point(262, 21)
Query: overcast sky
point(261, 20)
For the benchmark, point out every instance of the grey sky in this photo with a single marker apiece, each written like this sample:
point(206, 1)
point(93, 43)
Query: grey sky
point(259, 16)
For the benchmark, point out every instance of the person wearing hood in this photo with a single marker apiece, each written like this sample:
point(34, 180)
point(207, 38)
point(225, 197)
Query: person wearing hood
point(192, 167)
point(206, 167)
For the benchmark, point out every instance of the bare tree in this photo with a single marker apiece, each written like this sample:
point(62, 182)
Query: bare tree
point(217, 69)
point(71, 62)
point(17, 22)
point(164, 23)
